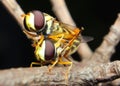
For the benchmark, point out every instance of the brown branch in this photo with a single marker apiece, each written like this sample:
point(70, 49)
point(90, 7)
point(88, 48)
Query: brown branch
point(64, 16)
point(63, 13)
point(91, 75)
point(104, 52)
point(15, 10)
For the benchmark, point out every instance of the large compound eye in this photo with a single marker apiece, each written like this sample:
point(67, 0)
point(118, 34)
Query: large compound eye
point(49, 50)
point(34, 21)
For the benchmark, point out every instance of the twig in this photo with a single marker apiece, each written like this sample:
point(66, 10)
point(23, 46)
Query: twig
point(63, 15)
point(15, 10)
point(88, 76)
point(107, 48)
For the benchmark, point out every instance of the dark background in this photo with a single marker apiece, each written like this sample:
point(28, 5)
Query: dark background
point(95, 16)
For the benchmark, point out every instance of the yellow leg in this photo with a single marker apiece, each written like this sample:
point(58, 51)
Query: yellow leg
point(66, 36)
point(68, 71)
point(53, 64)
point(66, 63)
point(41, 40)
point(70, 43)
point(58, 43)
point(35, 63)
point(57, 39)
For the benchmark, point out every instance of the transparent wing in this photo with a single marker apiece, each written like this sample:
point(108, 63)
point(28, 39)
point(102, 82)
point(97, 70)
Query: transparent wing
point(67, 26)
point(86, 39)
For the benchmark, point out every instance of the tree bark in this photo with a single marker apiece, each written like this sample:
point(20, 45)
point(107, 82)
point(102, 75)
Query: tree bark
point(79, 76)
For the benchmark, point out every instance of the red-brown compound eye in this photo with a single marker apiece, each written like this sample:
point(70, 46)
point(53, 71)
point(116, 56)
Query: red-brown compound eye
point(38, 20)
point(49, 50)
point(34, 21)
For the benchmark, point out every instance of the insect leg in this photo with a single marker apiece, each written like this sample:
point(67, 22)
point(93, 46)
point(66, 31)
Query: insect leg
point(68, 71)
point(65, 53)
point(66, 36)
point(53, 64)
point(35, 63)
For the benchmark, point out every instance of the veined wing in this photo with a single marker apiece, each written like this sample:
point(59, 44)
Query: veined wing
point(77, 41)
point(86, 39)
point(69, 28)
point(59, 27)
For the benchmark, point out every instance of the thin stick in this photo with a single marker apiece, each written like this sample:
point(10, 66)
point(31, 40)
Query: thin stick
point(62, 12)
point(104, 52)
point(15, 10)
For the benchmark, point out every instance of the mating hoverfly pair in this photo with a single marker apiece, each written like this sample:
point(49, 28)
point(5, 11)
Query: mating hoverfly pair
point(52, 40)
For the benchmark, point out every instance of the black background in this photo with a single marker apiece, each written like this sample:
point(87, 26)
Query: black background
point(95, 16)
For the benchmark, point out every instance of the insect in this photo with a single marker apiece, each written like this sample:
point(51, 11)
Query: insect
point(53, 40)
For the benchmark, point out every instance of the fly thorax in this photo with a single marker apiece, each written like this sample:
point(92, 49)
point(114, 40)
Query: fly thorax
point(48, 23)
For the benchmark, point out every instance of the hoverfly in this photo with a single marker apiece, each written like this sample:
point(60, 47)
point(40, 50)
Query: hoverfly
point(53, 40)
